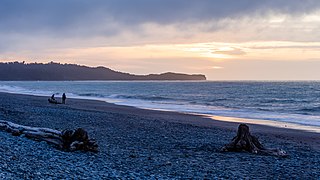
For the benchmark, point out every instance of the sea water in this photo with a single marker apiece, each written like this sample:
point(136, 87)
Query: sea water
point(291, 102)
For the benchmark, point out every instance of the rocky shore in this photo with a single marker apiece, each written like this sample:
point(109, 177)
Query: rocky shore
point(144, 144)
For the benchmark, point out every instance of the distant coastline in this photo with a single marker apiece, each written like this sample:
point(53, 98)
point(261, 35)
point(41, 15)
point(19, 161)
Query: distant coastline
point(20, 71)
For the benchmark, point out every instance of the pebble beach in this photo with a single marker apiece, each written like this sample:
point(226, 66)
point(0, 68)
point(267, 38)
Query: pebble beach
point(145, 144)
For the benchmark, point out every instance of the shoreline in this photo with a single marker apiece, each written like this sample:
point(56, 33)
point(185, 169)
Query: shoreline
point(265, 122)
point(297, 135)
point(293, 120)
point(288, 130)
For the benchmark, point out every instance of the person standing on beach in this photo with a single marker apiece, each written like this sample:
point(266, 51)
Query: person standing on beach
point(64, 97)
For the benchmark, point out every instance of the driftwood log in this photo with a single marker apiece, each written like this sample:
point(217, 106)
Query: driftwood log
point(244, 141)
point(53, 101)
point(67, 140)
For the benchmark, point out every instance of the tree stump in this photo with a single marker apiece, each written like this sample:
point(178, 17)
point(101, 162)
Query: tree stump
point(244, 141)
point(67, 140)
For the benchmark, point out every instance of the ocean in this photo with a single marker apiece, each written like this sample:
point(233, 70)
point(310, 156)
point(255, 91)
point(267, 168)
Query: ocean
point(297, 103)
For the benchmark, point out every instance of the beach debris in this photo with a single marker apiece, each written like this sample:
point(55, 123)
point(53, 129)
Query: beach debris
point(53, 100)
point(67, 140)
point(244, 141)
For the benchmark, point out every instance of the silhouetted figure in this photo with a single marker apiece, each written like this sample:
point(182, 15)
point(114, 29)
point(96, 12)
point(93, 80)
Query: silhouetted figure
point(64, 97)
point(52, 97)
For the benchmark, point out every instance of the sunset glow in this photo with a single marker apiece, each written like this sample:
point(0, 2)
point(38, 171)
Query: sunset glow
point(271, 35)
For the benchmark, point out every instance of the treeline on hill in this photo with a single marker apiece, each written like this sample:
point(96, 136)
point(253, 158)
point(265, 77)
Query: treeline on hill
point(21, 71)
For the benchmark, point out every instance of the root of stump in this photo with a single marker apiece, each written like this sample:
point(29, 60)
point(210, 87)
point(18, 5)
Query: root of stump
point(244, 141)
point(67, 140)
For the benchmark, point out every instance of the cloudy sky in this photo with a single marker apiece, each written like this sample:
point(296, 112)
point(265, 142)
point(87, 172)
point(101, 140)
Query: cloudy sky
point(225, 40)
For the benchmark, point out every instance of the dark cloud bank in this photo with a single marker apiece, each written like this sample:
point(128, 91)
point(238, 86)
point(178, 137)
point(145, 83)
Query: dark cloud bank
point(59, 16)
point(34, 24)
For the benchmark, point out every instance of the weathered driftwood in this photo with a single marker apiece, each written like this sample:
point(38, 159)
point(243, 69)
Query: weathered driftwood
point(244, 141)
point(68, 140)
point(53, 101)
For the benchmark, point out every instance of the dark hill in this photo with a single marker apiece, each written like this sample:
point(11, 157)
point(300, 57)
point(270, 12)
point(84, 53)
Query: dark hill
point(15, 71)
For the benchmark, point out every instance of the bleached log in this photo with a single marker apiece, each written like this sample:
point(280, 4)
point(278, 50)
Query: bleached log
point(69, 140)
point(22, 127)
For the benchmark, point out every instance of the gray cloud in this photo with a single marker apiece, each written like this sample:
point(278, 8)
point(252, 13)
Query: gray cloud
point(30, 22)
point(234, 51)
point(287, 47)
point(67, 16)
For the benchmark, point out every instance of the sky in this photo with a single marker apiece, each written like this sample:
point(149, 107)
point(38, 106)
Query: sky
point(225, 40)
